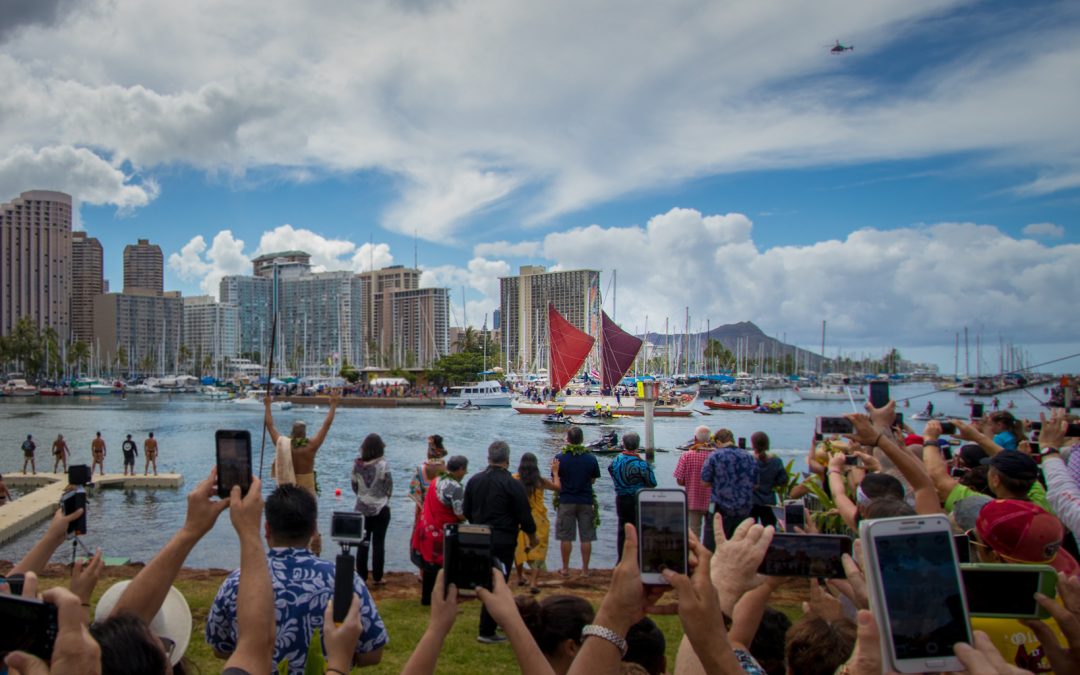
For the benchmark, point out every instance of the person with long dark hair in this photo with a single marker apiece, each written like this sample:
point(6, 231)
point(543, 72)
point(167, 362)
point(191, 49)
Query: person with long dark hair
point(535, 483)
point(373, 484)
point(771, 475)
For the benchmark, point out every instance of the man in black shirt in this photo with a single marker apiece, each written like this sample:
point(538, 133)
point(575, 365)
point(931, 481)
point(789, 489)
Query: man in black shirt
point(130, 450)
point(495, 499)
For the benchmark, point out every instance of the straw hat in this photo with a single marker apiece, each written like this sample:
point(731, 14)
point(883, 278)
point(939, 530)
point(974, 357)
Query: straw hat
point(172, 621)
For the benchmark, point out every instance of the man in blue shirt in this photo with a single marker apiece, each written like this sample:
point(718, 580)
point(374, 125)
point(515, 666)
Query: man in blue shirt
point(631, 474)
point(578, 470)
point(303, 586)
point(731, 474)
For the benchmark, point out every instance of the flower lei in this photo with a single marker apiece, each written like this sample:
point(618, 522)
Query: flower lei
point(299, 442)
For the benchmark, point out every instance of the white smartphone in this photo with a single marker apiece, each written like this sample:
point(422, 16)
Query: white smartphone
point(662, 534)
point(916, 592)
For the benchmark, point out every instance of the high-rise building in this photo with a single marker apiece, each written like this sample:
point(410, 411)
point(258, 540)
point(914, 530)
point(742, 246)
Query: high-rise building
point(210, 332)
point(523, 302)
point(87, 281)
point(143, 267)
point(35, 259)
point(253, 298)
point(286, 263)
point(419, 326)
point(378, 288)
point(139, 331)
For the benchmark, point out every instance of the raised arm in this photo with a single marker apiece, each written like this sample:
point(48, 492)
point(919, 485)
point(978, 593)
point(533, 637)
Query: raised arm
point(146, 592)
point(444, 610)
point(268, 420)
point(849, 511)
point(255, 616)
point(38, 556)
point(969, 432)
point(926, 498)
point(500, 603)
point(316, 442)
point(935, 462)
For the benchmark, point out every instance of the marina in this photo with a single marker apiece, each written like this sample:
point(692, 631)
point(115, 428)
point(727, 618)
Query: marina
point(134, 522)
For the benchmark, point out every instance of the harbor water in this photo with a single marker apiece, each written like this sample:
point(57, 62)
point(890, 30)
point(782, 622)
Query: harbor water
point(135, 523)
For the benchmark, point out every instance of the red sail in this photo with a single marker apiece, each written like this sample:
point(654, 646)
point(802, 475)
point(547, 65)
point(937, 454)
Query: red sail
point(618, 349)
point(569, 348)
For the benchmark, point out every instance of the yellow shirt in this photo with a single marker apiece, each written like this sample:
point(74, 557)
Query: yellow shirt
point(1016, 643)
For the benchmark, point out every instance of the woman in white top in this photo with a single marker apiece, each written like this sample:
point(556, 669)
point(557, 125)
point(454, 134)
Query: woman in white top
point(373, 485)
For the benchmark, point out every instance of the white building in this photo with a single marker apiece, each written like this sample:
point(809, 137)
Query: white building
point(211, 331)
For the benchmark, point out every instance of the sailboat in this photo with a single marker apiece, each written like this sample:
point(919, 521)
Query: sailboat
point(826, 392)
point(569, 347)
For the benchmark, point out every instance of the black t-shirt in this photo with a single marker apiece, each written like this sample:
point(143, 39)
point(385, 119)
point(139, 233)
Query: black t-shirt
point(129, 447)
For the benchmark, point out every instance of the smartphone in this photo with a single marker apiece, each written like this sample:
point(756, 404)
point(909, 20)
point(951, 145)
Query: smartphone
point(467, 557)
point(898, 420)
point(778, 515)
point(852, 460)
point(14, 582)
point(946, 452)
point(909, 553)
point(233, 460)
point(948, 428)
point(742, 442)
point(879, 393)
point(662, 534)
point(344, 565)
point(806, 555)
point(976, 411)
point(30, 625)
point(1006, 591)
point(834, 425)
point(794, 515)
point(80, 474)
point(72, 502)
point(347, 527)
point(963, 548)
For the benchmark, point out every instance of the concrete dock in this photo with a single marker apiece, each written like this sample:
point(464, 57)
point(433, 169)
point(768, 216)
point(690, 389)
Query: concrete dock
point(30, 509)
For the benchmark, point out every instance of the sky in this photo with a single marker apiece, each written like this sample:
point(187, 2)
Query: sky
point(714, 157)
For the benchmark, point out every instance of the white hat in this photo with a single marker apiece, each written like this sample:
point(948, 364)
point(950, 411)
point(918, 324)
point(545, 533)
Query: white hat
point(172, 621)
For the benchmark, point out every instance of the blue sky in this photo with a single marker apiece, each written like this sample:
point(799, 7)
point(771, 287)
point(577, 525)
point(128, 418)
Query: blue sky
point(716, 154)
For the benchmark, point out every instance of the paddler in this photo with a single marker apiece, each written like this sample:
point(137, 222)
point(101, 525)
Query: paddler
point(303, 451)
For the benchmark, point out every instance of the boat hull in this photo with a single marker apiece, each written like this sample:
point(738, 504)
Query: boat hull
point(723, 405)
point(542, 409)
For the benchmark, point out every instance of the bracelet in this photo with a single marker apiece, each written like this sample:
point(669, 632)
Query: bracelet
point(932, 441)
point(838, 473)
point(335, 670)
point(605, 634)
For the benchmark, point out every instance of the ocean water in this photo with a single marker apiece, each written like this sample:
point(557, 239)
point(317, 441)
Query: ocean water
point(136, 523)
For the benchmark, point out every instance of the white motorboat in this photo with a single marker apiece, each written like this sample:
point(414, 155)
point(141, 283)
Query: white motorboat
point(19, 388)
point(144, 389)
point(254, 397)
point(486, 394)
point(215, 393)
point(831, 393)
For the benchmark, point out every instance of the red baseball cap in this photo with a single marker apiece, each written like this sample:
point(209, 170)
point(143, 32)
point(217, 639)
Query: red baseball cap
point(1024, 532)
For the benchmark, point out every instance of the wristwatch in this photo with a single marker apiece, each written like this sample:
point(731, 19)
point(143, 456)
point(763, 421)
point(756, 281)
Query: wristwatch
point(1049, 451)
point(611, 636)
point(933, 441)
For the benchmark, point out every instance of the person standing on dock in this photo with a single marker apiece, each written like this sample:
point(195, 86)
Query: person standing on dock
point(28, 448)
point(130, 449)
point(97, 449)
point(60, 452)
point(303, 451)
point(150, 453)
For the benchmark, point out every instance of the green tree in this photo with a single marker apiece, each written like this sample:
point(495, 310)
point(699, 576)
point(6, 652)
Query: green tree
point(78, 355)
point(349, 372)
point(456, 368)
point(891, 361)
point(719, 355)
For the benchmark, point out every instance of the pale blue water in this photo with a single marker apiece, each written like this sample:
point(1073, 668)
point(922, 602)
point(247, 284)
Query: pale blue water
point(136, 523)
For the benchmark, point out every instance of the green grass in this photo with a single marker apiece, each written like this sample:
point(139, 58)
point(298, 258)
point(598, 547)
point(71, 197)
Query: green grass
point(406, 622)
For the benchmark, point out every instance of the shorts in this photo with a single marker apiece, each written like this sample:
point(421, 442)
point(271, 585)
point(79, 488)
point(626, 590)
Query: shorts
point(129, 460)
point(574, 517)
point(28, 453)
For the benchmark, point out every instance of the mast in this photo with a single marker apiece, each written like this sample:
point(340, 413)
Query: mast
point(822, 366)
point(686, 328)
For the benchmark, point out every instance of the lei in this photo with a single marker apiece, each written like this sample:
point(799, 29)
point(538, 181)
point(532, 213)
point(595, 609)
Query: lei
point(299, 442)
point(576, 450)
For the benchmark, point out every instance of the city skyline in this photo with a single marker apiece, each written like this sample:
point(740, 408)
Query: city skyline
point(715, 157)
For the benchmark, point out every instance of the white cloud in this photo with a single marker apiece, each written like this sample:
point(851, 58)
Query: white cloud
point(910, 286)
point(76, 171)
point(369, 257)
point(521, 249)
point(326, 254)
point(480, 278)
point(225, 256)
point(1047, 230)
point(471, 103)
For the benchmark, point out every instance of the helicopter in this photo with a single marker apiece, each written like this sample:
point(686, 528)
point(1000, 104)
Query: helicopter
point(840, 49)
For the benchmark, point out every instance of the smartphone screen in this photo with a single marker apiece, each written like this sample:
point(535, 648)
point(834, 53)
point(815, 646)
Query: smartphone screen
point(72, 502)
point(834, 425)
point(794, 515)
point(976, 411)
point(963, 548)
point(347, 526)
point(233, 461)
point(806, 555)
point(30, 625)
point(879, 394)
point(915, 567)
point(1002, 592)
point(662, 539)
point(742, 442)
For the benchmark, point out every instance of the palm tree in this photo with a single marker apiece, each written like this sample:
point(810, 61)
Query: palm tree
point(184, 355)
point(467, 340)
point(78, 355)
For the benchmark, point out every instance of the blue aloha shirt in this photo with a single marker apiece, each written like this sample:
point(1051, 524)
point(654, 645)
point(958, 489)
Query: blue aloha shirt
point(733, 474)
point(303, 586)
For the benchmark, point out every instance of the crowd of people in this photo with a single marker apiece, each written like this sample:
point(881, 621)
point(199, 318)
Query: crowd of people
point(1015, 498)
point(61, 454)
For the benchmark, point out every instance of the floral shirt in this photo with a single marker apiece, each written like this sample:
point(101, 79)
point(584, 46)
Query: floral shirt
point(733, 474)
point(303, 586)
point(451, 493)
